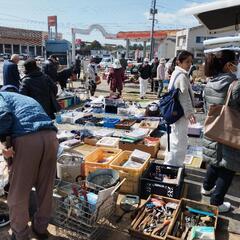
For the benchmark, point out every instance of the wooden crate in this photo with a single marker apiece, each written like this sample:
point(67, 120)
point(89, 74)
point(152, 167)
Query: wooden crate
point(194, 204)
point(141, 215)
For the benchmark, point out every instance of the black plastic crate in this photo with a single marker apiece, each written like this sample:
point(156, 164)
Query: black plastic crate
point(152, 181)
point(111, 109)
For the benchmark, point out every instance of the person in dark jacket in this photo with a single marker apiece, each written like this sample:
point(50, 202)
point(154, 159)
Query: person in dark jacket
point(78, 66)
point(50, 67)
point(10, 72)
point(65, 74)
point(123, 62)
point(31, 159)
point(145, 75)
point(39, 86)
point(223, 160)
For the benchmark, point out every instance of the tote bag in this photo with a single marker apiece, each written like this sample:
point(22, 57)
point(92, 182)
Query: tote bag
point(223, 123)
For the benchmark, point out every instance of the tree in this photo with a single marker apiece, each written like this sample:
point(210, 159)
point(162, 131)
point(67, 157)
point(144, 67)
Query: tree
point(95, 45)
point(136, 46)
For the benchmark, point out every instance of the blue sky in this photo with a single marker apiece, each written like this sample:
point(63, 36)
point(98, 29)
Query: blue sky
point(113, 15)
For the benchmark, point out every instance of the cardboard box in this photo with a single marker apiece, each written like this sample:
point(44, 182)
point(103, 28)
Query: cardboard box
point(91, 141)
point(141, 216)
point(153, 150)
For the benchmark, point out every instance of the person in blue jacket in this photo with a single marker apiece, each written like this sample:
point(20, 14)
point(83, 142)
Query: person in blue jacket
point(31, 156)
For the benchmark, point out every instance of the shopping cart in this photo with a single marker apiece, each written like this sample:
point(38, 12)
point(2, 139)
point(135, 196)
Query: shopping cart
point(80, 208)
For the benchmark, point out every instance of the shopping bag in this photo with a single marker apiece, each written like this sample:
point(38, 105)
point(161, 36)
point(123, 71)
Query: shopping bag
point(222, 123)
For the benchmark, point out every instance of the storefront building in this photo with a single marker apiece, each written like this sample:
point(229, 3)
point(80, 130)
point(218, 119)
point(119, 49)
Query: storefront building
point(22, 41)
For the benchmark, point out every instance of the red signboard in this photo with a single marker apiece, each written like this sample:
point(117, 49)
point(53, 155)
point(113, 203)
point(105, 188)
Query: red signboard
point(52, 21)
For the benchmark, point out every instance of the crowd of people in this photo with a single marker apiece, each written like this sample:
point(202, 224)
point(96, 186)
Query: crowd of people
point(27, 107)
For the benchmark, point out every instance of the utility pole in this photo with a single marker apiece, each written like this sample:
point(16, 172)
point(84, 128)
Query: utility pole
point(153, 12)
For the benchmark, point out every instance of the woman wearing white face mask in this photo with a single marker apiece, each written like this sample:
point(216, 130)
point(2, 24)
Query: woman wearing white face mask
point(224, 161)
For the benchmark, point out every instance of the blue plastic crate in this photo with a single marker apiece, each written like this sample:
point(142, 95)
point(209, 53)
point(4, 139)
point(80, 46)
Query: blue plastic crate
point(110, 122)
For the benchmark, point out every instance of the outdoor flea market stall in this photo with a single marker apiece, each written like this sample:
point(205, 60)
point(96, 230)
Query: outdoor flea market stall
point(110, 168)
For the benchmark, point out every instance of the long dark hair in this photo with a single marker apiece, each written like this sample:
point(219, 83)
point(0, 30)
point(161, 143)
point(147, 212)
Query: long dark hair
point(181, 56)
point(214, 63)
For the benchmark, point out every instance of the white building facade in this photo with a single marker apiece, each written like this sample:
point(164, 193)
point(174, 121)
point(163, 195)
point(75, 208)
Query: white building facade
point(191, 39)
point(166, 48)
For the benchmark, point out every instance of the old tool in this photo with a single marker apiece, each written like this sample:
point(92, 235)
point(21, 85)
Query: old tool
point(158, 229)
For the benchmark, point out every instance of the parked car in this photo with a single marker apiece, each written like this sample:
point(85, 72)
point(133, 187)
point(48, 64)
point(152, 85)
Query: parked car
point(1, 57)
point(6, 56)
point(106, 62)
point(97, 59)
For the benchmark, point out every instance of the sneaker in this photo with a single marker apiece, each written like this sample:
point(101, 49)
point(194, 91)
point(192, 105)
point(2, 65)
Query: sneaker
point(225, 207)
point(206, 192)
point(4, 220)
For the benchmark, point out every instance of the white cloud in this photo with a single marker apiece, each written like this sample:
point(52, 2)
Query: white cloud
point(176, 19)
point(184, 16)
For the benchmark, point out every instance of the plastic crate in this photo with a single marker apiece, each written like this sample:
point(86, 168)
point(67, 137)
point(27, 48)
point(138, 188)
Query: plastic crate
point(110, 122)
point(132, 175)
point(150, 183)
point(92, 161)
point(111, 109)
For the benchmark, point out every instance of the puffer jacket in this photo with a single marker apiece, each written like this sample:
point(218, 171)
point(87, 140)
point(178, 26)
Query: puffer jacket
point(50, 68)
point(21, 115)
point(215, 93)
point(40, 87)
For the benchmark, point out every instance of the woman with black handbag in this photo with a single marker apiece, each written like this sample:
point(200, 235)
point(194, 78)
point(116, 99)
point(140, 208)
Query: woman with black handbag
point(221, 68)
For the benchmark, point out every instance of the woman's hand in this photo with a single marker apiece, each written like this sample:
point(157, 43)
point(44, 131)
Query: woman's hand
point(191, 119)
point(8, 153)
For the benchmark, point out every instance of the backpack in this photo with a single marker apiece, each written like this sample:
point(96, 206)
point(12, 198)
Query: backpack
point(170, 107)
